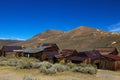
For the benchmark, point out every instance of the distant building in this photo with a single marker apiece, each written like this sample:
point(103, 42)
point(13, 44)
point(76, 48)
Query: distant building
point(9, 50)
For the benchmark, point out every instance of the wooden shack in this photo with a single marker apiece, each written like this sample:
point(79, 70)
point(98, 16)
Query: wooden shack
point(37, 53)
point(88, 57)
point(110, 62)
point(9, 50)
point(107, 50)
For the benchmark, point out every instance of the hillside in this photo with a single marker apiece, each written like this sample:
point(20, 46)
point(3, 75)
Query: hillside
point(82, 38)
point(8, 42)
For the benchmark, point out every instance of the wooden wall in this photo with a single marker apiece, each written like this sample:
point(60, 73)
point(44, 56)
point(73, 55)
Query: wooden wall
point(106, 63)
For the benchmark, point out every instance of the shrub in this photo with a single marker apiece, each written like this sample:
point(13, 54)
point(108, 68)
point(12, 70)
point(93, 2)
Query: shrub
point(76, 69)
point(71, 65)
point(3, 63)
point(82, 64)
point(3, 59)
point(60, 68)
point(12, 62)
point(43, 69)
point(51, 70)
point(29, 77)
point(23, 65)
point(46, 64)
point(91, 70)
point(35, 65)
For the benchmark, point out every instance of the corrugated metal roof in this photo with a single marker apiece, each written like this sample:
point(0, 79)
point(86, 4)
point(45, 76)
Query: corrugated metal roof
point(114, 57)
point(35, 50)
point(107, 50)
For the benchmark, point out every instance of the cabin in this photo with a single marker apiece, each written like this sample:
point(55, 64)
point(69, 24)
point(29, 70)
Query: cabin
point(88, 57)
point(107, 50)
point(68, 52)
point(9, 50)
point(110, 62)
point(44, 52)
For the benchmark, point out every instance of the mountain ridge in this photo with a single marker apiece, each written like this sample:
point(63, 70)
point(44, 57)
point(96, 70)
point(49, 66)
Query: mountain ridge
point(82, 38)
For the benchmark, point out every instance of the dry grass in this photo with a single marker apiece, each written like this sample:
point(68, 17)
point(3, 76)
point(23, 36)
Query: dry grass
point(10, 73)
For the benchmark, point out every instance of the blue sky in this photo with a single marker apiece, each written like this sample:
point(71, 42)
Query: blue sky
point(22, 19)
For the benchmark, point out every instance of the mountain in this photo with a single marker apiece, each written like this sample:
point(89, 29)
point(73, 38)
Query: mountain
point(82, 38)
point(8, 42)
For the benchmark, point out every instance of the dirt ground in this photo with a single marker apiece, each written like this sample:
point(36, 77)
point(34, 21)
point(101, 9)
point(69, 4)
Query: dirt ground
point(10, 73)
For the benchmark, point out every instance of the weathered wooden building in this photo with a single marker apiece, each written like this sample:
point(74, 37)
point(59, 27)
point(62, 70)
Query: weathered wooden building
point(9, 50)
point(44, 52)
point(88, 57)
point(37, 53)
point(110, 62)
point(107, 50)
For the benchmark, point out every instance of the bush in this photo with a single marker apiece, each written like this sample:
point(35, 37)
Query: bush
point(76, 69)
point(12, 62)
point(90, 70)
point(51, 70)
point(3, 63)
point(46, 64)
point(60, 68)
point(71, 65)
point(3, 59)
point(29, 77)
point(43, 69)
point(83, 64)
point(35, 65)
point(23, 65)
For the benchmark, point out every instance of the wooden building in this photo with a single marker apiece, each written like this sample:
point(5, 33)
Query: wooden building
point(44, 52)
point(88, 57)
point(110, 62)
point(9, 50)
point(107, 50)
point(37, 53)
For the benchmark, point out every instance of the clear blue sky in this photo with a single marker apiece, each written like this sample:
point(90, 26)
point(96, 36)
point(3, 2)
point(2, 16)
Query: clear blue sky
point(22, 19)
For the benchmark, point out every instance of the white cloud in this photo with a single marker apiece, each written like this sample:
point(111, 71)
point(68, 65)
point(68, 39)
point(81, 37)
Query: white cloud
point(115, 27)
point(12, 39)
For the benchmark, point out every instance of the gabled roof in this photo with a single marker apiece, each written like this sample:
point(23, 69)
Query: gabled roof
point(68, 52)
point(90, 54)
point(114, 57)
point(93, 54)
point(51, 45)
point(11, 48)
point(107, 50)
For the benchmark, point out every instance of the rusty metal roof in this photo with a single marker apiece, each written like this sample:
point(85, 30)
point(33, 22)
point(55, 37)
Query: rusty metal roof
point(114, 57)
